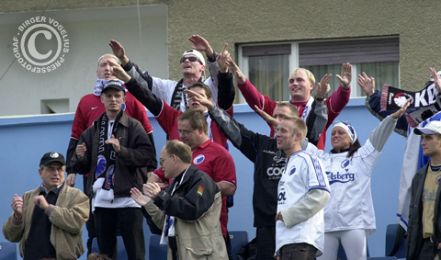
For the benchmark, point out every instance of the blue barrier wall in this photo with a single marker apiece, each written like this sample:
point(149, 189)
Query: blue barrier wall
point(24, 139)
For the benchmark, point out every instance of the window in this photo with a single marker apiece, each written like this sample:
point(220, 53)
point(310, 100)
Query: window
point(268, 66)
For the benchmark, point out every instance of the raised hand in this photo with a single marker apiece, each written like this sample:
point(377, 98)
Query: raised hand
point(345, 75)
point(119, 51)
point(367, 83)
point(81, 149)
point(70, 179)
point(119, 72)
point(436, 78)
point(201, 44)
point(115, 143)
point(323, 87)
point(240, 77)
point(138, 197)
point(17, 206)
point(397, 114)
point(151, 189)
point(223, 60)
point(203, 100)
point(41, 202)
point(265, 116)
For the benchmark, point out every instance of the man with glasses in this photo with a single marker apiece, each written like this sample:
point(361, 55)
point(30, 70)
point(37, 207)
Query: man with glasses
point(187, 211)
point(192, 65)
point(48, 220)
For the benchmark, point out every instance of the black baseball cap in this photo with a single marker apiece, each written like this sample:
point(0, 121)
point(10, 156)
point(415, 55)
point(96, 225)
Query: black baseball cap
point(115, 84)
point(51, 157)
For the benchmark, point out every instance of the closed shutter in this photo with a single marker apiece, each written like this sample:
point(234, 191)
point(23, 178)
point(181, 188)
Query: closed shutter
point(352, 51)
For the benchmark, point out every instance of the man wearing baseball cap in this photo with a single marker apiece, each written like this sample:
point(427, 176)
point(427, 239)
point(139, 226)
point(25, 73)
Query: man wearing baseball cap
point(114, 150)
point(48, 220)
point(424, 230)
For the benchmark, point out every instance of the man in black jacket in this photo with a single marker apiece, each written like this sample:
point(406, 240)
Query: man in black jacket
point(188, 210)
point(424, 229)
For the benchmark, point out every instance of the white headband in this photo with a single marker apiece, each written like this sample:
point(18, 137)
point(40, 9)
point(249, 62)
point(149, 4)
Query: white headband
point(348, 129)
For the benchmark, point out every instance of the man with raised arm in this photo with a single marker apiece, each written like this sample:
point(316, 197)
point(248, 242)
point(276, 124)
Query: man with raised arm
point(192, 64)
point(301, 84)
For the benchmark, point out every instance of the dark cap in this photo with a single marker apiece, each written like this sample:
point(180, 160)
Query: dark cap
point(51, 157)
point(115, 84)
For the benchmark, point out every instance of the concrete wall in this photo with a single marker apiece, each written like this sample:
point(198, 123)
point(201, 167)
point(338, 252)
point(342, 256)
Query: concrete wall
point(89, 31)
point(25, 139)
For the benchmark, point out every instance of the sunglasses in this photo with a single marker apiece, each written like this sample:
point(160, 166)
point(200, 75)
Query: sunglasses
point(189, 58)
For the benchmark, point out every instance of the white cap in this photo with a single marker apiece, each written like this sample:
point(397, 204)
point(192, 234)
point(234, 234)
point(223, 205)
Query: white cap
point(348, 129)
point(431, 128)
point(196, 54)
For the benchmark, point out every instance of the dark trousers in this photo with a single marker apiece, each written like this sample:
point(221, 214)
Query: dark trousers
point(228, 246)
point(300, 251)
point(129, 222)
point(91, 234)
point(265, 242)
point(427, 251)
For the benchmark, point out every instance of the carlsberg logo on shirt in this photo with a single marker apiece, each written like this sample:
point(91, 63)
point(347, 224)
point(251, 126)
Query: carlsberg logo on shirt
point(340, 177)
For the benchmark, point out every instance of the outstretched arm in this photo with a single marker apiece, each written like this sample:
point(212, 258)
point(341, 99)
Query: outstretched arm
point(252, 96)
point(381, 133)
point(143, 94)
point(226, 92)
point(242, 138)
point(340, 97)
point(373, 102)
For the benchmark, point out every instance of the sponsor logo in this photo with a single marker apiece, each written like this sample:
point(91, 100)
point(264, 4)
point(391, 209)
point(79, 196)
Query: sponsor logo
point(292, 171)
point(345, 163)
point(199, 159)
point(281, 197)
point(40, 44)
point(340, 177)
point(275, 171)
point(279, 159)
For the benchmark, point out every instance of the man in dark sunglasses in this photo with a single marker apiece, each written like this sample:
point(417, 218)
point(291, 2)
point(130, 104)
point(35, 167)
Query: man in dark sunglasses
point(192, 65)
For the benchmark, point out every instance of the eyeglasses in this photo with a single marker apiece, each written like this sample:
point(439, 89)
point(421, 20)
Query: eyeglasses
point(162, 160)
point(189, 58)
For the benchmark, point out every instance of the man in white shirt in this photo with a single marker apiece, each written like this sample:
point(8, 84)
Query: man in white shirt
point(303, 192)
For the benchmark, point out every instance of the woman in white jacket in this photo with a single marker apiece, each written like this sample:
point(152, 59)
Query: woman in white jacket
point(349, 214)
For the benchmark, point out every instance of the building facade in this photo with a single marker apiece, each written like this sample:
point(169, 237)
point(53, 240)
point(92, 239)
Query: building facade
point(395, 41)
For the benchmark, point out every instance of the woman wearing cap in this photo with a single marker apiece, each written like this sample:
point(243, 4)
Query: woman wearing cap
point(349, 215)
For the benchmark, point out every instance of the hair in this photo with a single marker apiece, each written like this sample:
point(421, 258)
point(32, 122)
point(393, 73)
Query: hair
point(108, 55)
point(300, 127)
point(288, 105)
point(179, 149)
point(203, 86)
point(196, 118)
point(308, 74)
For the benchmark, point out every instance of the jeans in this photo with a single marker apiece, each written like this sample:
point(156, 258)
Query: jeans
point(300, 251)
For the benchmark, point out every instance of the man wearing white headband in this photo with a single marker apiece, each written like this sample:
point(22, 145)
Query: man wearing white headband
point(192, 64)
